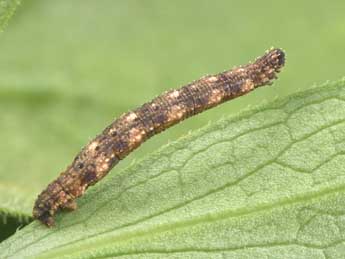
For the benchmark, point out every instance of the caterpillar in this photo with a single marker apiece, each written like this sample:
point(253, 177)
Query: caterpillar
point(133, 128)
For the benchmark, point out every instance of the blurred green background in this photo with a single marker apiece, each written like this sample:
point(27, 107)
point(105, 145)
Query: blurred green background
point(68, 68)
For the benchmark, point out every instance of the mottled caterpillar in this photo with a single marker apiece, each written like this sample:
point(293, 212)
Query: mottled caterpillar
point(127, 133)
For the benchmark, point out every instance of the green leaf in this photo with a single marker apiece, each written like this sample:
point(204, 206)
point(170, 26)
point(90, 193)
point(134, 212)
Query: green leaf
point(7, 9)
point(267, 183)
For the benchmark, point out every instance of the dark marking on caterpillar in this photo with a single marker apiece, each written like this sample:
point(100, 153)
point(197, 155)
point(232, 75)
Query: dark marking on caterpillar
point(129, 131)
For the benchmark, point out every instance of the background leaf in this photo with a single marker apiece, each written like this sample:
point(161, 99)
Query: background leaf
point(68, 68)
point(7, 8)
point(267, 183)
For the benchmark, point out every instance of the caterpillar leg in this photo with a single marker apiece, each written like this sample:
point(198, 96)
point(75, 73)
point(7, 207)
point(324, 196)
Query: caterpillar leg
point(70, 206)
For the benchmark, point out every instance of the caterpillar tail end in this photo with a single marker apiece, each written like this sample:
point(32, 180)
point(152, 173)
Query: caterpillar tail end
point(44, 217)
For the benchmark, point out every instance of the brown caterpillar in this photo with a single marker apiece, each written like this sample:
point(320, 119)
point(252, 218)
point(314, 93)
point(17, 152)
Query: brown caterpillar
point(127, 133)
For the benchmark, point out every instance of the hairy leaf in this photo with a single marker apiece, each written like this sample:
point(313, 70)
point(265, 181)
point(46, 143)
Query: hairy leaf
point(268, 183)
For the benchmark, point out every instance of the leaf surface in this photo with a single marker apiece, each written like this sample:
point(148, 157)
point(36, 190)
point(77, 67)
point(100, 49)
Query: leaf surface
point(267, 183)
